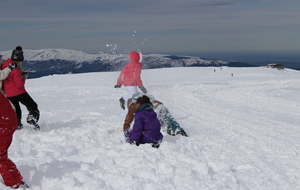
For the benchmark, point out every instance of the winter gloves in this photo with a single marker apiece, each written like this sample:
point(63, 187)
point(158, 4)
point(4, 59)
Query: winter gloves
point(143, 89)
point(12, 66)
point(122, 103)
point(117, 86)
point(17, 54)
point(24, 75)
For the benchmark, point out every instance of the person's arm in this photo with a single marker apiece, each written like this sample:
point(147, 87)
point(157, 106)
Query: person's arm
point(156, 103)
point(120, 78)
point(129, 117)
point(4, 73)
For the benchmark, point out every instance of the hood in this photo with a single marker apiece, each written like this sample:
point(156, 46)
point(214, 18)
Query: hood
point(144, 107)
point(6, 63)
point(134, 57)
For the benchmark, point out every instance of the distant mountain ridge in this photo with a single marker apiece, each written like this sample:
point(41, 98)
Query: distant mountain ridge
point(45, 62)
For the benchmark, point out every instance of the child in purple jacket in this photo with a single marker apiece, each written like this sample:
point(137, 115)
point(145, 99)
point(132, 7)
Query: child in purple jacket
point(146, 128)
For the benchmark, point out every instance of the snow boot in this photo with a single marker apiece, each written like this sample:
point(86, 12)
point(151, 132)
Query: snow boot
point(32, 120)
point(183, 133)
point(170, 131)
point(23, 186)
point(122, 103)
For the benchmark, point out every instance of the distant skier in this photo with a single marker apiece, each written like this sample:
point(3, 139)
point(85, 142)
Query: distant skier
point(9, 174)
point(14, 88)
point(130, 77)
point(167, 121)
point(146, 128)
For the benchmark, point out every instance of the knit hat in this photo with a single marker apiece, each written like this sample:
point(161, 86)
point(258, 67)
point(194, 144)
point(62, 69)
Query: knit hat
point(17, 54)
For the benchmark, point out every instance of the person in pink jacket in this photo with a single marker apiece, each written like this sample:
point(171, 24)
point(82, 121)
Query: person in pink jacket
point(130, 78)
point(14, 88)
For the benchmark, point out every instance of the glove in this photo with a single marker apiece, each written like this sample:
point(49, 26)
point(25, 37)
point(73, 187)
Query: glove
point(143, 89)
point(25, 75)
point(12, 66)
point(117, 86)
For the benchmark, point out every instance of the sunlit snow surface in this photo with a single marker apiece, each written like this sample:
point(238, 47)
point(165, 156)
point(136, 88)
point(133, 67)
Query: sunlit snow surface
point(243, 127)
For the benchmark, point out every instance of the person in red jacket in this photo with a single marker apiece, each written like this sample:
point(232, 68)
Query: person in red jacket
point(5, 72)
point(130, 78)
point(9, 174)
point(14, 88)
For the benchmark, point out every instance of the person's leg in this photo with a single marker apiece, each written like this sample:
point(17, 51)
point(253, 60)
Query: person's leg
point(8, 170)
point(130, 91)
point(32, 107)
point(173, 127)
point(14, 100)
point(9, 173)
point(159, 110)
point(122, 103)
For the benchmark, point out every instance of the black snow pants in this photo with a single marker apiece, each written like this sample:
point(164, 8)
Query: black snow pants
point(27, 101)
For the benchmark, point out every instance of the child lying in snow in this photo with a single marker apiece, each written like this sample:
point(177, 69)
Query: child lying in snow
point(167, 121)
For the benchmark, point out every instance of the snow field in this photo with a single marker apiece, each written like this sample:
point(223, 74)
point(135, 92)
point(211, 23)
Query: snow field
point(243, 132)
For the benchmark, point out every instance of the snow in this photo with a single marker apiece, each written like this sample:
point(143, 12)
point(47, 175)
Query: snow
point(243, 132)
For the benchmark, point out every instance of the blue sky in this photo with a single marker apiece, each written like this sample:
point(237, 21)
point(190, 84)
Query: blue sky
point(156, 26)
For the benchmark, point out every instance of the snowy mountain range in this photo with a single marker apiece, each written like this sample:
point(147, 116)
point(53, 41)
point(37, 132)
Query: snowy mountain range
point(46, 62)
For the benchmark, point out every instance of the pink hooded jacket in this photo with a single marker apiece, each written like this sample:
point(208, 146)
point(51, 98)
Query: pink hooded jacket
point(131, 73)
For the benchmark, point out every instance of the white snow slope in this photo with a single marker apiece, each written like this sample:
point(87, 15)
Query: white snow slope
point(243, 132)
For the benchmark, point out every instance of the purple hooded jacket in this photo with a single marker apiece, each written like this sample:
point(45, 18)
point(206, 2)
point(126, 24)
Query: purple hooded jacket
point(146, 128)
